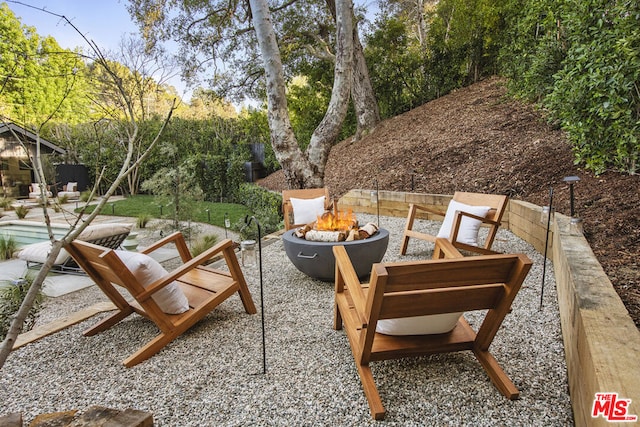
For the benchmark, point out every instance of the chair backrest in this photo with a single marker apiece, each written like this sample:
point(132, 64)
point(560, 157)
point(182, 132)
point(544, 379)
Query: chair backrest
point(406, 289)
point(497, 203)
point(104, 266)
point(307, 193)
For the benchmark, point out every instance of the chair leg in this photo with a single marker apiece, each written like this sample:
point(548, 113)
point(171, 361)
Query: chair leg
point(149, 349)
point(337, 318)
point(498, 377)
point(405, 238)
point(371, 391)
point(108, 322)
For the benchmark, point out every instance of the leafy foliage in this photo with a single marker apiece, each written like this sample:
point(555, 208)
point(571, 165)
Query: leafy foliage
point(581, 61)
point(203, 243)
point(40, 80)
point(597, 93)
point(266, 206)
point(10, 299)
point(7, 247)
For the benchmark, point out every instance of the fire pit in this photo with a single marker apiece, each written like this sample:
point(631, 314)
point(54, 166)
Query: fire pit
point(310, 248)
point(316, 259)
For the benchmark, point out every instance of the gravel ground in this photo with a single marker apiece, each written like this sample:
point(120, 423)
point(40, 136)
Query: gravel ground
point(213, 374)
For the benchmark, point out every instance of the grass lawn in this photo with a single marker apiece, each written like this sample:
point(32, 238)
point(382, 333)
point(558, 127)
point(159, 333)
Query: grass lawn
point(206, 212)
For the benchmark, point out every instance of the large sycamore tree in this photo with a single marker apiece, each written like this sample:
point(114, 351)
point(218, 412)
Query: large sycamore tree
point(243, 49)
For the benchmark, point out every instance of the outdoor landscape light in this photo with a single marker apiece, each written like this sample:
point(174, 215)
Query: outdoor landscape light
point(571, 180)
point(575, 226)
point(546, 214)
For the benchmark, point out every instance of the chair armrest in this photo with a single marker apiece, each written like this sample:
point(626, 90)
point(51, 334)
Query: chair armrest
point(178, 239)
point(479, 218)
point(186, 267)
point(445, 249)
point(457, 220)
point(345, 269)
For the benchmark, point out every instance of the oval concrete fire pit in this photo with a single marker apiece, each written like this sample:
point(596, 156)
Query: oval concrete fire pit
point(316, 259)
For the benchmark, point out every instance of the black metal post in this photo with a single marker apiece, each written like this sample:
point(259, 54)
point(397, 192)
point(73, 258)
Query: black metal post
point(264, 350)
point(546, 244)
point(378, 202)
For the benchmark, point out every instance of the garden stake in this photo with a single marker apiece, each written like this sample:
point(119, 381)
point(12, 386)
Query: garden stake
point(546, 244)
point(247, 222)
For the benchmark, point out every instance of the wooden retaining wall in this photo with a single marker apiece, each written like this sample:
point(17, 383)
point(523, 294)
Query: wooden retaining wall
point(601, 342)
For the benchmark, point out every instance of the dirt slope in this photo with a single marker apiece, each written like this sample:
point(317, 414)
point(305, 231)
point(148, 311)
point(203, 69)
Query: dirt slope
point(476, 139)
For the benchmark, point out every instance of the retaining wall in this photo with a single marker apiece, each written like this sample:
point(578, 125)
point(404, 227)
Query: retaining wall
point(601, 342)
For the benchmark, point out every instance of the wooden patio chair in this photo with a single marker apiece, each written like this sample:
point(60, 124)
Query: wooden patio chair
point(194, 288)
point(465, 214)
point(398, 292)
point(304, 208)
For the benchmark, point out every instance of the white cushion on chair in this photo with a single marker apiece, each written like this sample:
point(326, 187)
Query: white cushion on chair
point(306, 211)
point(469, 227)
point(98, 231)
point(147, 270)
point(419, 325)
point(38, 252)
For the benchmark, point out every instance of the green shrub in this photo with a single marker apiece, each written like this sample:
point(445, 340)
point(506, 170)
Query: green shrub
point(11, 298)
point(22, 211)
point(203, 243)
point(63, 199)
point(7, 247)
point(85, 196)
point(5, 203)
point(143, 219)
point(266, 206)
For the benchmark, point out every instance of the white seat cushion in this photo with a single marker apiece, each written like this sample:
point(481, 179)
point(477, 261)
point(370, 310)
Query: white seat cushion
point(98, 231)
point(38, 252)
point(419, 325)
point(147, 270)
point(306, 211)
point(469, 227)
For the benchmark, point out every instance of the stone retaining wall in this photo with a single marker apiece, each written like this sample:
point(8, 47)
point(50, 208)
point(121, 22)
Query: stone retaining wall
point(601, 342)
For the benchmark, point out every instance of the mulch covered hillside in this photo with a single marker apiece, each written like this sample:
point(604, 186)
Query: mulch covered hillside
point(476, 139)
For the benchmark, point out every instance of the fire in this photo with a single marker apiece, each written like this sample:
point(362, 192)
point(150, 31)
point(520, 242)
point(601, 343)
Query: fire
point(337, 221)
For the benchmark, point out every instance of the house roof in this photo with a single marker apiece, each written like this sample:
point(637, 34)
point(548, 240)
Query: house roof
point(32, 137)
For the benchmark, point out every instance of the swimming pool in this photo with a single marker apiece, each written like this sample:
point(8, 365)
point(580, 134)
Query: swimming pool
point(27, 232)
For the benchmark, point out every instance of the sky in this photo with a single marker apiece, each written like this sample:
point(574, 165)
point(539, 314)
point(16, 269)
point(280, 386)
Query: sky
point(104, 22)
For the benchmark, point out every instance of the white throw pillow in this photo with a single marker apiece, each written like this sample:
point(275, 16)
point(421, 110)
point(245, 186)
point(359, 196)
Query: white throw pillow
point(306, 211)
point(419, 325)
point(469, 227)
point(147, 270)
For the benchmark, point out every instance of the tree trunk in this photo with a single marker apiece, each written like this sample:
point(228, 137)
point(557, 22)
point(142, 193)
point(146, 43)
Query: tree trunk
point(364, 100)
point(284, 143)
point(328, 130)
point(362, 95)
point(302, 171)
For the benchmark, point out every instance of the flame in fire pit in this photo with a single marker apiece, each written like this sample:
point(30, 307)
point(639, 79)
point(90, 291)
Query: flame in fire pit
point(336, 221)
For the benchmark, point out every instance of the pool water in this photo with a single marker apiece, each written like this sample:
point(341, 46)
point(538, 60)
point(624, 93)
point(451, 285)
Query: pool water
point(28, 232)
